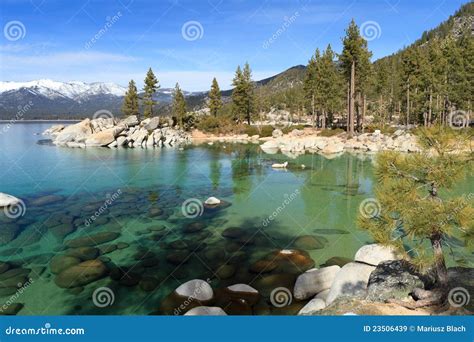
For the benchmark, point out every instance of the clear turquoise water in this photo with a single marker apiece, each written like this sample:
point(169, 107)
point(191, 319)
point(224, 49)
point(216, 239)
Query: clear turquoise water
point(317, 200)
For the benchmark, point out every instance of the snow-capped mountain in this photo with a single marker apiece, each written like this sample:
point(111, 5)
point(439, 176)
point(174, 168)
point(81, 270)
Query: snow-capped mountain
point(72, 90)
point(52, 99)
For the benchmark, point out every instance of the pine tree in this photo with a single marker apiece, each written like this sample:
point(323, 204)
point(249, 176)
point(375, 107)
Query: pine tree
point(130, 101)
point(311, 85)
point(215, 100)
point(179, 106)
point(151, 85)
point(355, 60)
point(416, 206)
point(243, 95)
point(330, 85)
point(249, 105)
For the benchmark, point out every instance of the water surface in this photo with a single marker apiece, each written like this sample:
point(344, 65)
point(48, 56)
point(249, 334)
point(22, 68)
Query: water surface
point(127, 191)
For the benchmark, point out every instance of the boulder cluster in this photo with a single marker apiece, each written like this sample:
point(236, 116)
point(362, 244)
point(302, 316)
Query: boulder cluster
point(298, 142)
point(128, 132)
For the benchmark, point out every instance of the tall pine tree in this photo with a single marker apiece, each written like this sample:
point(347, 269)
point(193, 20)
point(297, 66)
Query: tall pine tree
point(179, 106)
point(215, 100)
point(355, 60)
point(151, 85)
point(130, 101)
point(243, 96)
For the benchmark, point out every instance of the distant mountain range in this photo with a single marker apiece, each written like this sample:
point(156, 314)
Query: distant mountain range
point(47, 99)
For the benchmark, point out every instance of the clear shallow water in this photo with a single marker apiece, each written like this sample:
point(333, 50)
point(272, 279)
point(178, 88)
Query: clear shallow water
point(312, 209)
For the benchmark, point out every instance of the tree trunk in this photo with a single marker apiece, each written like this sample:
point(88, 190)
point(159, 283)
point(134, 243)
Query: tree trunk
point(364, 108)
point(323, 120)
point(408, 104)
point(440, 265)
point(351, 101)
point(312, 109)
point(429, 108)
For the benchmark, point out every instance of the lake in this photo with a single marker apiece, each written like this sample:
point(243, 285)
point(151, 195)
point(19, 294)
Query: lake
point(143, 210)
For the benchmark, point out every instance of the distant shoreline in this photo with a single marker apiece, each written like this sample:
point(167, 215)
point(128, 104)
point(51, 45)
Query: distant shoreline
point(40, 120)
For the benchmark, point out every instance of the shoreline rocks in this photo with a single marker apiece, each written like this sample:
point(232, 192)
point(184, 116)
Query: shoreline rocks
point(109, 132)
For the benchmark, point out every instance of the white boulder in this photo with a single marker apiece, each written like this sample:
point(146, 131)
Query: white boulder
point(8, 200)
point(351, 280)
point(196, 289)
point(206, 311)
point(314, 281)
point(312, 306)
point(374, 254)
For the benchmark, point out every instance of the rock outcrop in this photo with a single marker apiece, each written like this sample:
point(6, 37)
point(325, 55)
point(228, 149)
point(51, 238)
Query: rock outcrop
point(128, 132)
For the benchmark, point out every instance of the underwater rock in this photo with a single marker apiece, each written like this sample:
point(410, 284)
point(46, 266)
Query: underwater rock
point(263, 266)
point(340, 261)
point(62, 230)
point(308, 242)
point(225, 271)
point(291, 260)
point(233, 233)
point(106, 249)
point(179, 257)
point(122, 245)
point(12, 309)
point(92, 240)
point(81, 274)
point(330, 231)
point(194, 227)
point(148, 284)
point(267, 283)
point(4, 267)
point(83, 253)
point(45, 200)
point(61, 262)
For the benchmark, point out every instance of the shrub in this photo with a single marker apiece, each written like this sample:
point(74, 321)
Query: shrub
point(331, 132)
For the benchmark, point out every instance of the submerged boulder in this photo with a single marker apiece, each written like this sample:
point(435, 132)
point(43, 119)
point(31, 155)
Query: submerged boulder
point(81, 274)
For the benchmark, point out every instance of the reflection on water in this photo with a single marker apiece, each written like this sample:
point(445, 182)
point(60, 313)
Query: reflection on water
point(121, 211)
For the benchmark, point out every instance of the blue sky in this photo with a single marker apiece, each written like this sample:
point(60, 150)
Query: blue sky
point(189, 41)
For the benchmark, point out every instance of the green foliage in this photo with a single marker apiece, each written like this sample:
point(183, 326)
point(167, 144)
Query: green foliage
point(331, 132)
point(243, 96)
point(215, 100)
point(130, 101)
point(179, 106)
point(355, 51)
point(416, 207)
point(151, 85)
point(262, 131)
